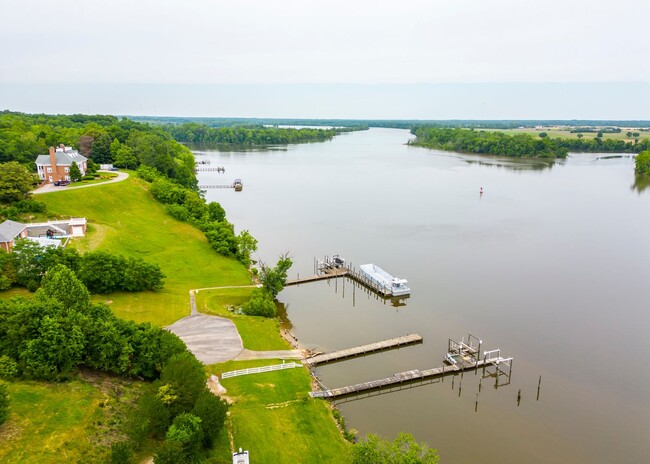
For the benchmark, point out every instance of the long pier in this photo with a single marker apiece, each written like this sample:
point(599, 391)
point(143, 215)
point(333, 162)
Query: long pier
point(461, 356)
point(399, 378)
point(218, 186)
point(392, 343)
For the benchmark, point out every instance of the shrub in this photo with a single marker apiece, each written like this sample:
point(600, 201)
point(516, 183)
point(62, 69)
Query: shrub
point(121, 453)
point(8, 367)
point(88, 177)
point(260, 304)
point(4, 403)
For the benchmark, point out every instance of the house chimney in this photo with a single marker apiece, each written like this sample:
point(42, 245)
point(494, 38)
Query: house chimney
point(54, 172)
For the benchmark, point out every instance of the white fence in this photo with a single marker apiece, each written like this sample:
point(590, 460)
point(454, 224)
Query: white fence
point(258, 370)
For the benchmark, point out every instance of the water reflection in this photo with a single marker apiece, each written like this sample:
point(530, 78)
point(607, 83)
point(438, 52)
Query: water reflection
point(513, 165)
point(641, 183)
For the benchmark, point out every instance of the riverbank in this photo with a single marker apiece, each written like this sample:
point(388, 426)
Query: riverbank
point(139, 226)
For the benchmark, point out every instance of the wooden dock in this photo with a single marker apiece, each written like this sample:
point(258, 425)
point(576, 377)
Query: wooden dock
point(342, 272)
point(329, 274)
point(399, 378)
point(392, 343)
point(218, 186)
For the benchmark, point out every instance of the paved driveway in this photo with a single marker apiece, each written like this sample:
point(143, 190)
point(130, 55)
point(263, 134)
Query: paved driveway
point(212, 339)
point(51, 188)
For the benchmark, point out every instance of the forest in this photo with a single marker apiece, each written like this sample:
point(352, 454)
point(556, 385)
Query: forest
point(488, 143)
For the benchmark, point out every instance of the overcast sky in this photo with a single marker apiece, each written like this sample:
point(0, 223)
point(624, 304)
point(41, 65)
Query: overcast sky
point(407, 59)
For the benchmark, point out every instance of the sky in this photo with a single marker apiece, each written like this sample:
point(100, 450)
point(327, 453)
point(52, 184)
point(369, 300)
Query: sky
point(412, 59)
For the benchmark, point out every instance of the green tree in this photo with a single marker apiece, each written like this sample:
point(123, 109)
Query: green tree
point(56, 351)
point(216, 211)
point(125, 158)
point(403, 450)
point(186, 430)
point(171, 452)
point(274, 278)
point(246, 244)
point(580, 135)
point(4, 403)
point(543, 135)
point(75, 172)
point(61, 284)
point(101, 149)
point(212, 412)
point(8, 367)
point(642, 163)
point(186, 376)
point(260, 304)
point(16, 182)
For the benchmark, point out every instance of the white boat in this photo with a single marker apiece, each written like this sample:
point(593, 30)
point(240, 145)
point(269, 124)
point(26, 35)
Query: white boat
point(377, 275)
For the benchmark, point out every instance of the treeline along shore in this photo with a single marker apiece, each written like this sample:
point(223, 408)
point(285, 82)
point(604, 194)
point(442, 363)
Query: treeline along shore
point(518, 145)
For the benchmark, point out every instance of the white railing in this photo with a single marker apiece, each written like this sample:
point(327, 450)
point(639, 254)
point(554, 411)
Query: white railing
point(258, 370)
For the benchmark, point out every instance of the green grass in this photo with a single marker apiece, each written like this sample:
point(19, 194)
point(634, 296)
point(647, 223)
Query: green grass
point(257, 333)
point(125, 219)
point(74, 421)
point(556, 132)
point(274, 418)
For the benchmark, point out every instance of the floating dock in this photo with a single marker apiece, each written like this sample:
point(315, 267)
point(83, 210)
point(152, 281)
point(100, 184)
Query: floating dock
point(392, 343)
point(334, 267)
point(461, 357)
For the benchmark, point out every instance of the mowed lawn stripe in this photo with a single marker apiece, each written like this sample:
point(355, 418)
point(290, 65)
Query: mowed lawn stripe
point(125, 219)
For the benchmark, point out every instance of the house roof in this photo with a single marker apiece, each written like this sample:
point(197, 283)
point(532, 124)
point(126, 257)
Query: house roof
point(63, 158)
point(10, 229)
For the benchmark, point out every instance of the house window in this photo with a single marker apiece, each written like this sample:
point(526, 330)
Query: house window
point(67, 169)
point(50, 178)
point(49, 169)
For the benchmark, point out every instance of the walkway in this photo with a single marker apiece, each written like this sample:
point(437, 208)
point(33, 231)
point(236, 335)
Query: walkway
point(47, 188)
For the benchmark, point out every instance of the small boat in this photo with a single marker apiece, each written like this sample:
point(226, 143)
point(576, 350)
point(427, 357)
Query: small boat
point(393, 285)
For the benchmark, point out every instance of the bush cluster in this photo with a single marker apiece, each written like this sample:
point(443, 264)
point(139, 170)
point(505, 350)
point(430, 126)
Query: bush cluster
point(100, 272)
point(48, 336)
point(188, 206)
point(180, 409)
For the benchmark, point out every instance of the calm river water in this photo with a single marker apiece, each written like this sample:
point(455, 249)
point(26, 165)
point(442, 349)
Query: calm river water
point(551, 265)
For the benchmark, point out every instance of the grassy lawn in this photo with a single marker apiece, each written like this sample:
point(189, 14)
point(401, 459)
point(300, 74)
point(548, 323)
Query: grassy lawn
point(257, 333)
point(274, 418)
point(66, 422)
point(125, 219)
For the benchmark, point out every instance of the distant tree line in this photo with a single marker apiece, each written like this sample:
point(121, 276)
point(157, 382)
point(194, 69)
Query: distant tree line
point(104, 139)
point(188, 206)
point(99, 271)
point(488, 143)
point(602, 145)
point(192, 132)
point(362, 124)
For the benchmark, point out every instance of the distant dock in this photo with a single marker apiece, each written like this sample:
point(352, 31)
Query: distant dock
point(392, 343)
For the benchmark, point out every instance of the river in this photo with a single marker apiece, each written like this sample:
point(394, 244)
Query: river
point(550, 264)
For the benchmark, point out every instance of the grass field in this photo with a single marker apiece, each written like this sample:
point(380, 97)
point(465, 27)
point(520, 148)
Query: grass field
point(74, 421)
point(125, 219)
point(257, 333)
point(274, 418)
point(558, 132)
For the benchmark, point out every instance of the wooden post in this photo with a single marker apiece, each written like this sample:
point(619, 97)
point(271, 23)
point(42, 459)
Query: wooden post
point(539, 385)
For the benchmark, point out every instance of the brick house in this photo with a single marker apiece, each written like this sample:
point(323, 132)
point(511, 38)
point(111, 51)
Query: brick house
point(56, 166)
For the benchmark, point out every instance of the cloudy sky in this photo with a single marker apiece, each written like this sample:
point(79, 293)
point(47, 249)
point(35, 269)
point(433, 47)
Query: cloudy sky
point(355, 58)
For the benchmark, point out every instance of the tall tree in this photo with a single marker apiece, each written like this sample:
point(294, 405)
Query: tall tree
point(16, 182)
point(75, 172)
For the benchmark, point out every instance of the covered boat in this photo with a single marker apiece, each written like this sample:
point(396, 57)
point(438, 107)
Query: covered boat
point(395, 286)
